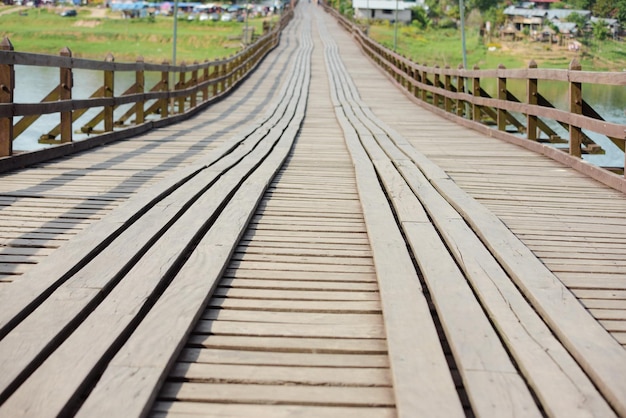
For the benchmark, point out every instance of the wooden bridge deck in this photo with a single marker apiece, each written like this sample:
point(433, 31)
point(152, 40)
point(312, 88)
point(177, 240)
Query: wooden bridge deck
point(314, 245)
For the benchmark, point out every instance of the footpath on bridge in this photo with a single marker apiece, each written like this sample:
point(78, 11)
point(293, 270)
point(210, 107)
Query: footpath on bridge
point(395, 264)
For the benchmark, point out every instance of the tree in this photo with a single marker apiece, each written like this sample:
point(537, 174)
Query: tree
point(600, 31)
point(580, 20)
point(620, 11)
point(482, 5)
point(603, 8)
point(419, 17)
point(435, 11)
point(580, 4)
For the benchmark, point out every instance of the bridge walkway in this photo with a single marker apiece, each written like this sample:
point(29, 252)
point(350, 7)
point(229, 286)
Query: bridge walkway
point(373, 273)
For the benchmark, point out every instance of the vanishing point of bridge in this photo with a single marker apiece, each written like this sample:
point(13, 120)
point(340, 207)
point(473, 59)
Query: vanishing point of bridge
point(316, 245)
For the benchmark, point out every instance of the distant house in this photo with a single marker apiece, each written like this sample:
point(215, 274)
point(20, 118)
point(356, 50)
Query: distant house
point(613, 25)
point(538, 20)
point(521, 18)
point(385, 9)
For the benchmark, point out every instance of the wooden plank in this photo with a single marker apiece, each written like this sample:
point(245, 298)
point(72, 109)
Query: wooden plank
point(589, 343)
point(282, 375)
point(298, 305)
point(132, 293)
point(331, 276)
point(138, 359)
point(297, 294)
point(422, 382)
point(224, 327)
point(366, 286)
point(219, 410)
point(308, 395)
point(211, 356)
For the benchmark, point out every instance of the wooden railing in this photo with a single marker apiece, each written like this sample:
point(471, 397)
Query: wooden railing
point(194, 86)
point(459, 95)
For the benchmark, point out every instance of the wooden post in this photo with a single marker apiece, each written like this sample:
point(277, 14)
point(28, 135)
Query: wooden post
point(411, 76)
point(447, 84)
point(502, 96)
point(221, 72)
point(65, 93)
point(425, 81)
point(214, 75)
point(436, 95)
point(181, 85)
point(460, 88)
point(417, 75)
point(7, 88)
point(476, 93)
point(531, 99)
point(576, 107)
point(165, 86)
point(109, 89)
point(194, 83)
point(140, 81)
point(205, 78)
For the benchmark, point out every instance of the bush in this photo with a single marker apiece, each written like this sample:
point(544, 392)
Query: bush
point(447, 23)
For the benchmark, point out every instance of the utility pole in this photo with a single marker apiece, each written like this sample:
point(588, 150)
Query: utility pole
point(395, 30)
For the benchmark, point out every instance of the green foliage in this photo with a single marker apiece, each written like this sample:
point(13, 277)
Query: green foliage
point(577, 18)
point(579, 4)
point(620, 11)
point(45, 32)
point(419, 17)
point(603, 8)
point(496, 16)
point(447, 23)
point(482, 5)
point(600, 31)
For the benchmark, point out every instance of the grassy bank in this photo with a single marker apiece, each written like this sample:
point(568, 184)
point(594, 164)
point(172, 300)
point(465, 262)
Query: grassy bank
point(96, 32)
point(92, 35)
point(443, 47)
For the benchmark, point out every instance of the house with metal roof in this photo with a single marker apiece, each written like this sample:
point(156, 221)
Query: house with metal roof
point(390, 10)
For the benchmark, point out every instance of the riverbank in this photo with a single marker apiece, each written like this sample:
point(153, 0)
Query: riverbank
point(96, 32)
point(443, 47)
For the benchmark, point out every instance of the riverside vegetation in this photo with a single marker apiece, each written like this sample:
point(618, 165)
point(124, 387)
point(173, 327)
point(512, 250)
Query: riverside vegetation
point(93, 35)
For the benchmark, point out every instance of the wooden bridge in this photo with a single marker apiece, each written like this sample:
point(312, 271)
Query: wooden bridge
point(315, 244)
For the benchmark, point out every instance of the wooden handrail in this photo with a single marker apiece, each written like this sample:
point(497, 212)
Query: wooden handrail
point(195, 85)
point(466, 99)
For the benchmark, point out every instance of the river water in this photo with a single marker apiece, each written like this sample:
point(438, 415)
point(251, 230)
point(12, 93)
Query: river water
point(32, 83)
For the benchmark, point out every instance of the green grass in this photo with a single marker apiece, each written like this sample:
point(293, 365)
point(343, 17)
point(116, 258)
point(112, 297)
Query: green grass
point(443, 47)
point(43, 31)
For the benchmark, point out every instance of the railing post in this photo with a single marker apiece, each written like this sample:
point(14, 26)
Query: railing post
point(436, 95)
point(417, 76)
point(531, 99)
point(476, 93)
point(425, 81)
point(65, 93)
point(194, 83)
point(501, 96)
point(205, 78)
point(576, 107)
point(109, 84)
point(214, 76)
point(221, 74)
point(460, 88)
point(165, 86)
point(7, 87)
point(447, 84)
point(181, 85)
point(140, 81)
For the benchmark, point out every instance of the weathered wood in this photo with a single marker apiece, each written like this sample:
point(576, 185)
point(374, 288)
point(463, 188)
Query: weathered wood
point(7, 86)
point(576, 107)
point(398, 280)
